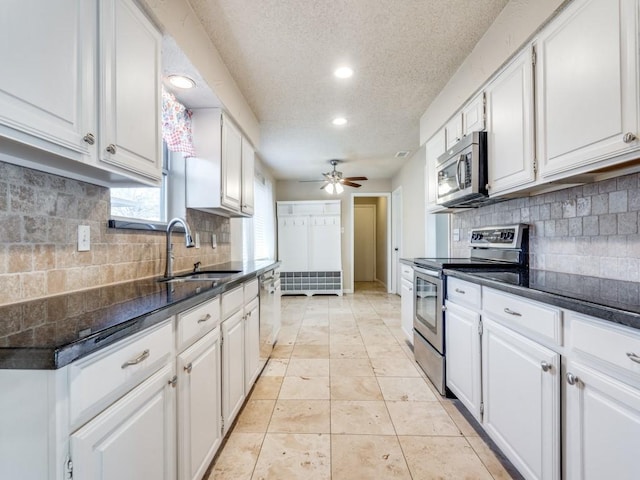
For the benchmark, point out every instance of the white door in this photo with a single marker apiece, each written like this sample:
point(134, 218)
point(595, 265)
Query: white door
point(602, 426)
point(510, 126)
point(587, 85)
point(232, 367)
point(396, 240)
point(231, 163)
point(132, 439)
point(251, 344)
point(521, 395)
point(364, 243)
point(130, 129)
point(462, 344)
point(49, 94)
point(199, 408)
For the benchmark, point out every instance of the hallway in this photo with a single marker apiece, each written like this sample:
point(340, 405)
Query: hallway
point(342, 398)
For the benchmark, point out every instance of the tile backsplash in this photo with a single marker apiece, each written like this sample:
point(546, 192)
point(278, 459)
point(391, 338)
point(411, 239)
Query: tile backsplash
point(39, 218)
point(588, 230)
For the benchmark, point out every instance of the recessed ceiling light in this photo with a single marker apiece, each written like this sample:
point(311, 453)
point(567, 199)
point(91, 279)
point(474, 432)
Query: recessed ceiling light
point(180, 81)
point(340, 121)
point(343, 72)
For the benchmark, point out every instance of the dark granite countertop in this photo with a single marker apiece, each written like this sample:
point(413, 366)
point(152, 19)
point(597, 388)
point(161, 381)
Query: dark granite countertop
point(616, 301)
point(52, 332)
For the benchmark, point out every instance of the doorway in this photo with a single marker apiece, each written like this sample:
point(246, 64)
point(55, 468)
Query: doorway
point(371, 241)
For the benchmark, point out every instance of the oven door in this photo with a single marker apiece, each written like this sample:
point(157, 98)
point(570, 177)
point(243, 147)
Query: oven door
point(427, 318)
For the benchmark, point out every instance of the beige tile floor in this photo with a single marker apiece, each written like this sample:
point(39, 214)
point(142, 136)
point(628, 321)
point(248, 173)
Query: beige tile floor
point(342, 398)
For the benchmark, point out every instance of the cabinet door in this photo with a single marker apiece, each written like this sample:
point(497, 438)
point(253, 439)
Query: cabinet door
point(232, 367)
point(47, 85)
point(453, 131)
point(325, 243)
point(130, 130)
point(199, 406)
point(510, 126)
point(231, 165)
point(251, 345)
point(587, 85)
point(293, 248)
point(434, 148)
point(248, 173)
point(132, 439)
point(602, 426)
point(473, 116)
point(462, 344)
point(521, 389)
point(406, 308)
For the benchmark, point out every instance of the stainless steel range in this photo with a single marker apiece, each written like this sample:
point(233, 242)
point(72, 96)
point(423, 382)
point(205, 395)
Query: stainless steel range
point(499, 249)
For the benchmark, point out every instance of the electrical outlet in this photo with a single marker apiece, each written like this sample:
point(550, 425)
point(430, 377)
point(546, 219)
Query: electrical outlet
point(197, 240)
point(214, 241)
point(84, 238)
point(456, 234)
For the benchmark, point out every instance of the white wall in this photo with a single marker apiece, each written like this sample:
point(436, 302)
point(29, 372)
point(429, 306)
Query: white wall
point(411, 178)
point(293, 190)
point(514, 26)
point(177, 19)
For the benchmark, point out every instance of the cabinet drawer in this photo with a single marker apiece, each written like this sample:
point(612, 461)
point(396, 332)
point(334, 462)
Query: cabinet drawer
point(464, 293)
point(250, 290)
point(524, 315)
point(407, 272)
point(194, 323)
point(616, 345)
point(96, 381)
point(231, 302)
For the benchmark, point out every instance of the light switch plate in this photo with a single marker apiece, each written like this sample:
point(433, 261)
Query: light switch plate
point(214, 241)
point(197, 240)
point(84, 238)
point(456, 234)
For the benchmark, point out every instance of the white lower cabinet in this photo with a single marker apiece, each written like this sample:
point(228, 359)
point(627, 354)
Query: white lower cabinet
point(602, 425)
point(199, 406)
point(462, 344)
point(251, 344)
point(521, 390)
point(132, 439)
point(406, 301)
point(232, 368)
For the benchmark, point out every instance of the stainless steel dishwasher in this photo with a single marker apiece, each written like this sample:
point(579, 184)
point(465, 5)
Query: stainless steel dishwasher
point(269, 313)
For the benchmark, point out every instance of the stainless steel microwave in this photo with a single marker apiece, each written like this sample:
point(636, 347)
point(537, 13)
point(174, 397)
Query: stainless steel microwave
point(462, 173)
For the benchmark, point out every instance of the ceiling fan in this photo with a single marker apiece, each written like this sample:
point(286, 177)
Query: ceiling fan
point(334, 181)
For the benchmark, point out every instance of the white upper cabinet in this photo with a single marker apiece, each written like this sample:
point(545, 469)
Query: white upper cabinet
point(215, 176)
point(81, 80)
point(248, 172)
point(434, 148)
point(48, 100)
point(453, 131)
point(587, 87)
point(130, 132)
point(510, 126)
point(473, 115)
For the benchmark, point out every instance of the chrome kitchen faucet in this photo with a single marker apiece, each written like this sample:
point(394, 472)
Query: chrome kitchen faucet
point(188, 241)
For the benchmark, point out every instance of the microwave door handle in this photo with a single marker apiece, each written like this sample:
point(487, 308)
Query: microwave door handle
point(458, 163)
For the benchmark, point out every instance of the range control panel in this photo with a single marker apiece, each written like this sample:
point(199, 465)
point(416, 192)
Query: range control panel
point(497, 237)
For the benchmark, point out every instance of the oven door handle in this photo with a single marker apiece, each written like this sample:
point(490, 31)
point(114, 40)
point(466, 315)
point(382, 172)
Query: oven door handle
point(458, 163)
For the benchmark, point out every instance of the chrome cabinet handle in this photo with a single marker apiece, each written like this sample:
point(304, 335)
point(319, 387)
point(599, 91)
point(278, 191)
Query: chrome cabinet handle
point(111, 149)
point(140, 358)
point(173, 381)
point(545, 366)
point(511, 312)
point(89, 138)
point(188, 367)
point(633, 357)
point(460, 291)
point(205, 318)
point(572, 379)
point(628, 137)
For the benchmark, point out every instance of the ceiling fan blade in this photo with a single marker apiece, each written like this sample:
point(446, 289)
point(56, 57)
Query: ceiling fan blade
point(355, 178)
point(324, 185)
point(328, 176)
point(351, 184)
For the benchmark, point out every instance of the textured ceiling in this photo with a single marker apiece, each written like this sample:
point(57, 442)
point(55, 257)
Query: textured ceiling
point(282, 54)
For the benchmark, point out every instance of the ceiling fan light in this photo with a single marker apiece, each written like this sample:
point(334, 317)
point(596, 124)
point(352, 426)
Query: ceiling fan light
point(329, 188)
point(339, 188)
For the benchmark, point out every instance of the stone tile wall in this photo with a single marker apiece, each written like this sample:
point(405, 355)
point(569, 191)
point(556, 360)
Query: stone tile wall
point(588, 230)
point(39, 218)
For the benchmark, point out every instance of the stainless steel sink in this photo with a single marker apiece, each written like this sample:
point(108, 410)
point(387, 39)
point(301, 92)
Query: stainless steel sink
point(204, 276)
